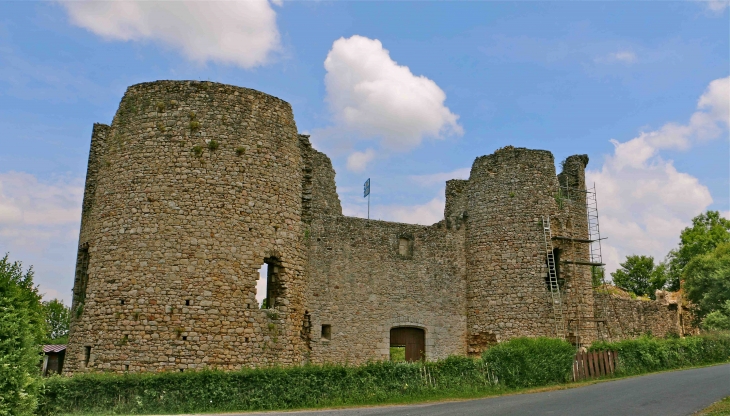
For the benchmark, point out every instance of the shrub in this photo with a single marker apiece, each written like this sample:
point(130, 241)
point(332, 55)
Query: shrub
point(527, 362)
point(213, 145)
point(646, 353)
point(22, 329)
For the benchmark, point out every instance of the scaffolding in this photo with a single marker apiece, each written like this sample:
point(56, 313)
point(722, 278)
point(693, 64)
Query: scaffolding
point(588, 320)
point(553, 283)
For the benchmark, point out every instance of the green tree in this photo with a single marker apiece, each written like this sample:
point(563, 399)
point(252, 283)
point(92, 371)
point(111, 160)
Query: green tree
point(22, 330)
point(708, 230)
point(640, 276)
point(707, 281)
point(719, 319)
point(58, 317)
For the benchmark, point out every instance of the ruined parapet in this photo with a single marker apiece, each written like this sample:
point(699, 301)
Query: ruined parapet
point(455, 213)
point(97, 147)
point(198, 183)
point(320, 194)
point(571, 242)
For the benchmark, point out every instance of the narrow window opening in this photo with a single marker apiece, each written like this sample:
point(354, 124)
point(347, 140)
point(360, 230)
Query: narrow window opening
point(126, 367)
point(121, 301)
point(187, 302)
point(269, 285)
point(87, 356)
point(404, 247)
point(326, 331)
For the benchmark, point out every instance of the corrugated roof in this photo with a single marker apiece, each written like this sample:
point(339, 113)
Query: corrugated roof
point(54, 348)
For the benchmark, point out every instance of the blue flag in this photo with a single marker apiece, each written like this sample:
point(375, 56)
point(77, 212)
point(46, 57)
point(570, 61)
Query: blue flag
point(366, 188)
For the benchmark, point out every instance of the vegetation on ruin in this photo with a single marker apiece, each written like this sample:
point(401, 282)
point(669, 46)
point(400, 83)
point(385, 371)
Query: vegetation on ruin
point(213, 144)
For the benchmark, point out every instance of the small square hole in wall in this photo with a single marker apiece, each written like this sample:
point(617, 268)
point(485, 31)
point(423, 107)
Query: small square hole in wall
point(326, 331)
point(187, 302)
point(126, 367)
point(182, 369)
point(121, 301)
point(185, 338)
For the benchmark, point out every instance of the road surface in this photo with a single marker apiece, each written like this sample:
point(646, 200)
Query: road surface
point(677, 393)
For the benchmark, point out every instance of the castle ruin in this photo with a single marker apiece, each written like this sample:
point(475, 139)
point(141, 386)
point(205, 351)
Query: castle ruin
point(195, 185)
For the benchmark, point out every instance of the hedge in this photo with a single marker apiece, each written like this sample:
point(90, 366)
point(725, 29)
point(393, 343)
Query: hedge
point(530, 362)
point(261, 389)
point(519, 363)
point(646, 354)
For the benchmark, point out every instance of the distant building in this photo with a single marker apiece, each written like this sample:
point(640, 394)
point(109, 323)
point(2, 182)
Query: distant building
point(53, 356)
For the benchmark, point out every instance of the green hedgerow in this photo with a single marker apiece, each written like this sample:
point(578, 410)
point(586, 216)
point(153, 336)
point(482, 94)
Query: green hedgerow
point(647, 353)
point(528, 362)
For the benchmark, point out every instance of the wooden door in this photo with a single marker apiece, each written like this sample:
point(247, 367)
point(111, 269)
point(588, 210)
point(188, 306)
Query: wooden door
point(413, 339)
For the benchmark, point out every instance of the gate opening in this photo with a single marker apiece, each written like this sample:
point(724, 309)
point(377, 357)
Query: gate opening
point(407, 344)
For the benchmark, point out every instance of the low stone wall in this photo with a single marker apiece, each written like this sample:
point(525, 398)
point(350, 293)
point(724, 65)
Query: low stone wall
point(634, 317)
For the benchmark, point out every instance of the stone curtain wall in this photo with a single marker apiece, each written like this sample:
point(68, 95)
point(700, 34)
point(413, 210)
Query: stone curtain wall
point(364, 280)
point(637, 317)
point(192, 186)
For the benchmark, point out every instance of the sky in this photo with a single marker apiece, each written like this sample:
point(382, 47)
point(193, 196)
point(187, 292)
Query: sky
point(405, 93)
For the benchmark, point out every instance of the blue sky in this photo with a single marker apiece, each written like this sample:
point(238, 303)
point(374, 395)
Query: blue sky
point(407, 93)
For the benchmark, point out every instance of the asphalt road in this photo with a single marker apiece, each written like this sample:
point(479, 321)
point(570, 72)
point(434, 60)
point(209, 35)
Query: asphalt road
point(677, 393)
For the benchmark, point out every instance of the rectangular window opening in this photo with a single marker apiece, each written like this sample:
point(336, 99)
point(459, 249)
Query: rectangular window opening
point(326, 331)
point(187, 302)
point(185, 338)
point(87, 356)
point(126, 367)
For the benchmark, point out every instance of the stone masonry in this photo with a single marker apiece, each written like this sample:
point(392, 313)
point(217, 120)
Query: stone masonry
point(195, 185)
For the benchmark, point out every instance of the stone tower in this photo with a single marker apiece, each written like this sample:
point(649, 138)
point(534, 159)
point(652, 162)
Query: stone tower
point(507, 196)
point(188, 192)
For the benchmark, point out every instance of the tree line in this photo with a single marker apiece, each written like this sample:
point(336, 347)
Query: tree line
point(700, 266)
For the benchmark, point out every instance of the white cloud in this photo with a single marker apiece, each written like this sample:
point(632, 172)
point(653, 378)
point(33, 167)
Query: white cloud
point(39, 225)
point(644, 201)
point(425, 214)
point(372, 96)
point(242, 33)
point(716, 6)
point(625, 57)
point(358, 161)
point(441, 177)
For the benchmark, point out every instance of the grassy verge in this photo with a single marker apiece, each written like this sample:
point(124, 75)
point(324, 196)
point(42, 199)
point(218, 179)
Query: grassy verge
point(721, 408)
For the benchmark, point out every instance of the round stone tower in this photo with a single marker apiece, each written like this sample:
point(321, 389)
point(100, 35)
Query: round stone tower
point(189, 191)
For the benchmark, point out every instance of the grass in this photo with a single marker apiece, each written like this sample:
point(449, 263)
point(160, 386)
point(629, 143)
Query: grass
point(721, 408)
